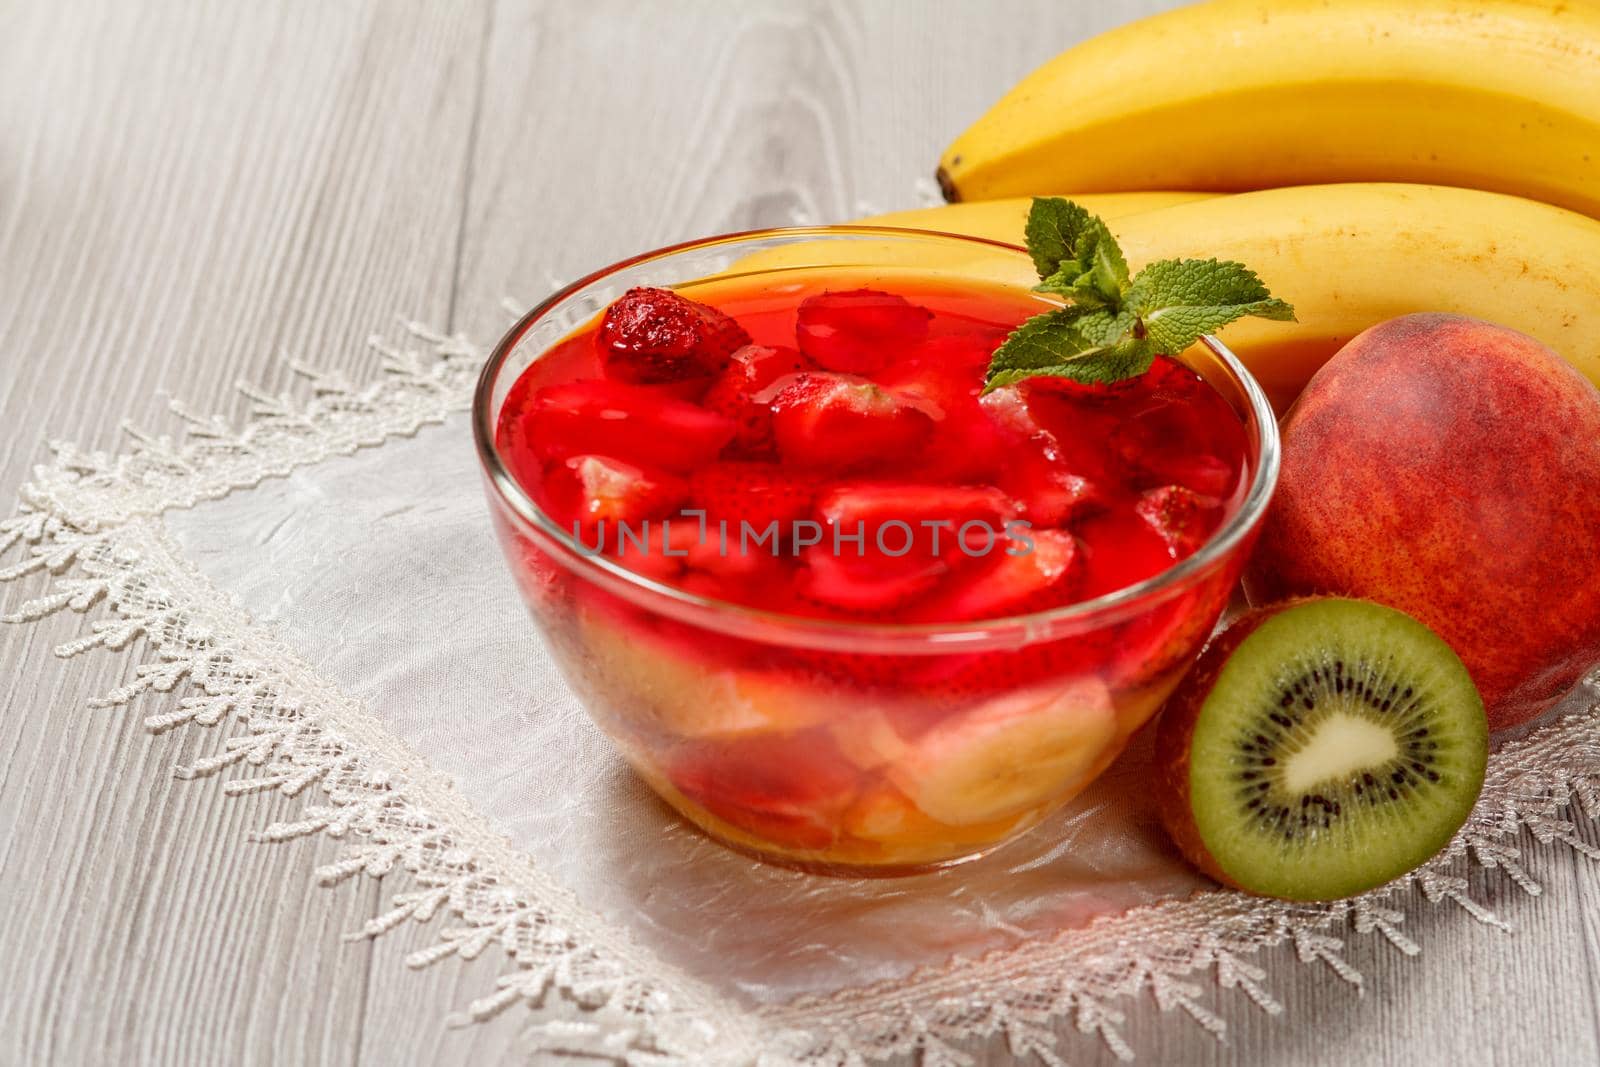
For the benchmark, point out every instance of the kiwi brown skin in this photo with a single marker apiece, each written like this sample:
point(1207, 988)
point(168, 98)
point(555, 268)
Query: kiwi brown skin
point(1176, 728)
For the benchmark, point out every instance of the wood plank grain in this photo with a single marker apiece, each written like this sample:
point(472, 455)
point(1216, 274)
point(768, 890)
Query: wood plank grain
point(185, 193)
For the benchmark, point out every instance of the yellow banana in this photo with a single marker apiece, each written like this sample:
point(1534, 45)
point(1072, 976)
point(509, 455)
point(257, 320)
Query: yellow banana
point(1350, 256)
point(1002, 220)
point(994, 220)
point(1501, 95)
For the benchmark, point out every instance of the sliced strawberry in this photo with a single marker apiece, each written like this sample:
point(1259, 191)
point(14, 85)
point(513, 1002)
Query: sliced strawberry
point(619, 510)
point(947, 372)
point(1011, 408)
point(1055, 472)
point(836, 421)
point(946, 375)
point(1204, 474)
point(1073, 433)
point(589, 488)
point(653, 336)
point(750, 371)
point(1120, 549)
point(1176, 433)
point(865, 587)
point(1182, 518)
point(1149, 431)
point(658, 548)
point(957, 679)
point(755, 575)
point(865, 671)
point(750, 510)
point(860, 331)
point(1042, 576)
point(757, 493)
point(789, 789)
point(629, 422)
point(915, 519)
point(1048, 493)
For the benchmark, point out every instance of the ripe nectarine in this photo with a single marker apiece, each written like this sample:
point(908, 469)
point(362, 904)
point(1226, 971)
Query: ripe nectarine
point(1450, 468)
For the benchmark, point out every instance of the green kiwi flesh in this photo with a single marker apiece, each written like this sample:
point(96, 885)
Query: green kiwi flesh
point(1342, 745)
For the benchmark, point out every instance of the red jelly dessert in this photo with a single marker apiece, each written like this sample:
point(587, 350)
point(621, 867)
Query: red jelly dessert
point(815, 451)
point(897, 490)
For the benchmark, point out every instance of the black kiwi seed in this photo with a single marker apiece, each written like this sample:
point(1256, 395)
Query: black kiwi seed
point(1354, 743)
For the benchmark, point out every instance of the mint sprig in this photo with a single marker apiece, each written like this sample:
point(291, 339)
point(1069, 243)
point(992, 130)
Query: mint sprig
point(1075, 254)
point(1114, 326)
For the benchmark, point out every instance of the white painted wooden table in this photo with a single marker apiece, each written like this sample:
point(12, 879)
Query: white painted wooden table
point(189, 191)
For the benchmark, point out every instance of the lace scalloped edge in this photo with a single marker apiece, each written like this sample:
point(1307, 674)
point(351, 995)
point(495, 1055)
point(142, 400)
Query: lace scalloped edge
point(90, 522)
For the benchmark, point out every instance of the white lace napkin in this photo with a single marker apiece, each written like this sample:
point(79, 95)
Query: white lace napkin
point(382, 571)
point(355, 625)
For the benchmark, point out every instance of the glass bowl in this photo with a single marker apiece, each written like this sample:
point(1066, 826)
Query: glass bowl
point(840, 746)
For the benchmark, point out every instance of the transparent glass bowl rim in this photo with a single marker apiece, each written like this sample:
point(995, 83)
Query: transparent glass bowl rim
point(843, 634)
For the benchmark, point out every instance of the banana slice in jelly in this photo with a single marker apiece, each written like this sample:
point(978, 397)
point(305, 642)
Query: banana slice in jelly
point(651, 683)
point(1011, 754)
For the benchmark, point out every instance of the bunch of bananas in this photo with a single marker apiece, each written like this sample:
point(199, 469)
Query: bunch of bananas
point(1454, 146)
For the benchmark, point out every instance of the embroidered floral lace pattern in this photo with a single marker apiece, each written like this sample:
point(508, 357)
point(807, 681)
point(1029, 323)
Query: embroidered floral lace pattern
point(88, 538)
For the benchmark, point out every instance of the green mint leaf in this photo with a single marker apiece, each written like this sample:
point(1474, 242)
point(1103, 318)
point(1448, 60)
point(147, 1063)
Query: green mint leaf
point(1075, 254)
point(1052, 230)
point(1103, 326)
point(1109, 269)
point(1084, 345)
point(1112, 328)
point(1177, 300)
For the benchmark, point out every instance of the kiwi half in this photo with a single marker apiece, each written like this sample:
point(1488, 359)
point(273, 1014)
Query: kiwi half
point(1320, 748)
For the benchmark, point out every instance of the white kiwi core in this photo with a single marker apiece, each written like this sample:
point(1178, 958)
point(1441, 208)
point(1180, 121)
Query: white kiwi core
point(1340, 745)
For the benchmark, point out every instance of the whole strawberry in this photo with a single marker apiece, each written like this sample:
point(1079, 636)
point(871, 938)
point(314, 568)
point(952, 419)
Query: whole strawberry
point(654, 336)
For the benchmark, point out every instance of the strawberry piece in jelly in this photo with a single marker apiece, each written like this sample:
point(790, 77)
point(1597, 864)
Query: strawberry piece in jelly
point(859, 331)
point(1120, 549)
point(1048, 492)
point(754, 493)
point(629, 422)
point(911, 518)
point(750, 371)
point(867, 587)
point(789, 789)
point(653, 336)
point(836, 421)
point(1039, 577)
point(1182, 518)
point(946, 376)
point(658, 549)
point(1177, 434)
point(591, 488)
point(947, 372)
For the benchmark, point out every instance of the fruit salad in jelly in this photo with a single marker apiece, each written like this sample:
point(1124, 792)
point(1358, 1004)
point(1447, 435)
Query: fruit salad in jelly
point(816, 451)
